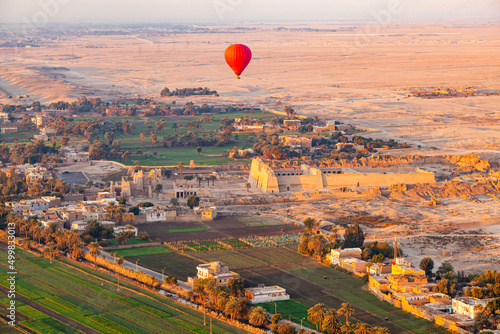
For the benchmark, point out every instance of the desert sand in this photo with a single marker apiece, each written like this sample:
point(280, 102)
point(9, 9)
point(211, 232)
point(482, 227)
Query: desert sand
point(346, 75)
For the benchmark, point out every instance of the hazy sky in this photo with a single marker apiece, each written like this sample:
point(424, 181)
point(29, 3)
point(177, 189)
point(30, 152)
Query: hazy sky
point(201, 11)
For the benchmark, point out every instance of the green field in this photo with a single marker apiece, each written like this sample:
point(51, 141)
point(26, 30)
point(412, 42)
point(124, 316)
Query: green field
point(303, 278)
point(94, 300)
point(192, 229)
point(172, 155)
point(141, 251)
point(259, 221)
point(130, 242)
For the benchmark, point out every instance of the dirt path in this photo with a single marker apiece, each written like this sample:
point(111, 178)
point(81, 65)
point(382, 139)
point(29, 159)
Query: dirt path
point(53, 314)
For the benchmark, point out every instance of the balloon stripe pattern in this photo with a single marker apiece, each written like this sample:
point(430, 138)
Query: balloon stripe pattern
point(238, 57)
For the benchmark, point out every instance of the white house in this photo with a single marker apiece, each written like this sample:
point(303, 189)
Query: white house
point(79, 225)
point(217, 271)
point(265, 294)
point(337, 254)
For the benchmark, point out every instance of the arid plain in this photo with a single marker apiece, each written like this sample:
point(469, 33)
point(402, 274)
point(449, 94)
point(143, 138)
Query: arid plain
point(334, 71)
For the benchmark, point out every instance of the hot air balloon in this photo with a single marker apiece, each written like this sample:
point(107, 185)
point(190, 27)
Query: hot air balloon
point(237, 57)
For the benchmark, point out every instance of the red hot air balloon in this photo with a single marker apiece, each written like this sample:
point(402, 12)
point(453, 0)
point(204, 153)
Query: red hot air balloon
point(237, 57)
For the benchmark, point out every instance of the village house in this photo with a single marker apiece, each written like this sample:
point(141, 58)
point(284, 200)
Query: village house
point(217, 271)
point(6, 130)
point(296, 141)
point(341, 146)
point(37, 173)
point(206, 213)
point(28, 204)
point(266, 294)
point(337, 254)
point(354, 265)
point(292, 124)
point(4, 117)
point(468, 306)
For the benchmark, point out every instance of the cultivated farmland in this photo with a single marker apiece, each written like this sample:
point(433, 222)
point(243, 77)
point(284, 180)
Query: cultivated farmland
point(94, 302)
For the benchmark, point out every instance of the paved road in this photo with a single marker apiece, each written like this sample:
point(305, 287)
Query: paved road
point(133, 266)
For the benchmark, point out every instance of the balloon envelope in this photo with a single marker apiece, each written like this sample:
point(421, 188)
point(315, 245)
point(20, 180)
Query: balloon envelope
point(238, 57)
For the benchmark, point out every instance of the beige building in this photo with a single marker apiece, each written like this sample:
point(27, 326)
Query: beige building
point(8, 130)
point(292, 124)
point(296, 141)
point(336, 255)
point(468, 306)
point(266, 294)
point(217, 271)
point(354, 265)
point(143, 184)
point(306, 178)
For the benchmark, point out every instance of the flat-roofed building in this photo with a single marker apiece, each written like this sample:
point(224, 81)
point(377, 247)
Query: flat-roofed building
point(354, 265)
point(468, 306)
point(217, 271)
point(337, 255)
point(266, 294)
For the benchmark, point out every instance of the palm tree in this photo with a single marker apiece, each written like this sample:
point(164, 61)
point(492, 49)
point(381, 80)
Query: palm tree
point(77, 251)
point(61, 238)
point(159, 188)
point(65, 141)
point(125, 156)
point(73, 238)
point(180, 165)
point(247, 185)
point(212, 178)
point(24, 226)
point(109, 136)
point(347, 310)
point(174, 127)
point(316, 314)
point(37, 233)
point(362, 329)
point(380, 330)
point(347, 329)
point(110, 209)
point(50, 250)
point(94, 250)
point(331, 323)
point(143, 138)
point(233, 308)
point(258, 317)
point(87, 134)
point(46, 233)
point(199, 178)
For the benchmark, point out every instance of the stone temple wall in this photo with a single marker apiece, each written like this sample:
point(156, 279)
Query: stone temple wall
point(263, 177)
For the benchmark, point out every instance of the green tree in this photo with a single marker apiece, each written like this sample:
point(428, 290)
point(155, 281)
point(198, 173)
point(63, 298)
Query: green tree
point(379, 258)
point(180, 165)
point(427, 264)
point(316, 314)
point(198, 149)
point(310, 223)
point(258, 317)
point(445, 268)
point(193, 201)
point(94, 251)
point(346, 310)
point(354, 236)
point(330, 323)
